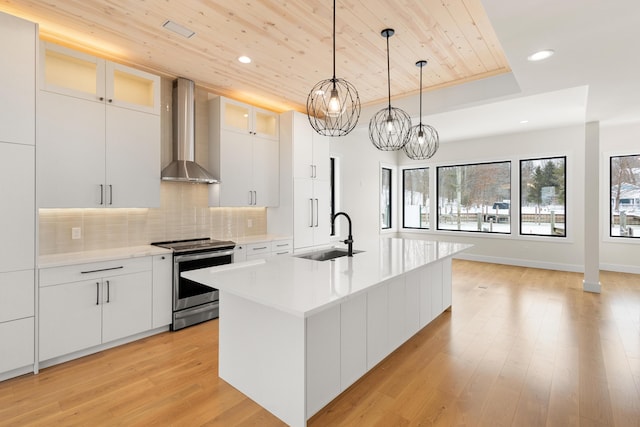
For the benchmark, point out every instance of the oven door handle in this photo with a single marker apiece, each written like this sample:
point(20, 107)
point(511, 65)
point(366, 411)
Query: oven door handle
point(202, 255)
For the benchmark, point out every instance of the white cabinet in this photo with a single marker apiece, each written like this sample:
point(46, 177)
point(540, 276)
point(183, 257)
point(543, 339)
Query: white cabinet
point(84, 305)
point(304, 209)
point(98, 133)
point(377, 325)
point(18, 45)
point(18, 41)
point(268, 248)
point(162, 290)
point(323, 358)
point(246, 160)
point(353, 340)
point(240, 253)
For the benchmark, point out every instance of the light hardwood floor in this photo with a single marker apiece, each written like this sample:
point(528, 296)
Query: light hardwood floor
point(521, 347)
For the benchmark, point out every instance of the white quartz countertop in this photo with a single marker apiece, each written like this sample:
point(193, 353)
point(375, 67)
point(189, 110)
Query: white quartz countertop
point(71, 258)
point(303, 287)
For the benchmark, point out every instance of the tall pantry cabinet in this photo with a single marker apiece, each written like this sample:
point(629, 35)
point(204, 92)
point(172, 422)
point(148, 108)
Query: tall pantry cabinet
point(18, 45)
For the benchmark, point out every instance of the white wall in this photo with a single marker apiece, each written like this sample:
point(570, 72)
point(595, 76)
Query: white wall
point(618, 254)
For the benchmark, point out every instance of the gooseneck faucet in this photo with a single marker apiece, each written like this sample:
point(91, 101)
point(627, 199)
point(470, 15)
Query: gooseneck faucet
point(349, 240)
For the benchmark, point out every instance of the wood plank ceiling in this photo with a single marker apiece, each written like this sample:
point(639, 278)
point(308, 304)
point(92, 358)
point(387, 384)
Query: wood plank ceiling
point(289, 42)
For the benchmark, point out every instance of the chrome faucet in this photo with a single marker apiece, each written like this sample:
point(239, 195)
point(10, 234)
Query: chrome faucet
point(349, 240)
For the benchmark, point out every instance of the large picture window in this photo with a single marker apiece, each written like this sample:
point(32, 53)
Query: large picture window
point(542, 197)
point(475, 197)
point(625, 196)
point(385, 198)
point(415, 198)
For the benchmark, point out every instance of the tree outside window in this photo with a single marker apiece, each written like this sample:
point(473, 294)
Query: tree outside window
point(542, 197)
point(475, 197)
point(385, 199)
point(625, 196)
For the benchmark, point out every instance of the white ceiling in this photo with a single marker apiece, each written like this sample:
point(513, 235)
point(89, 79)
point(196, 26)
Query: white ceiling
point(594, 75)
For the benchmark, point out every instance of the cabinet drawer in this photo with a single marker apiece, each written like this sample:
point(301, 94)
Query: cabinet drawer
point(16, 295)
point(278, 246)
point(17, 349)
point(258, 248)
point(94, 270)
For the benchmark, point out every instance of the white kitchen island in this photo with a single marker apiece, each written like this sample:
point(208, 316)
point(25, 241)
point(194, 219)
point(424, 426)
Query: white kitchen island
point(295, 333)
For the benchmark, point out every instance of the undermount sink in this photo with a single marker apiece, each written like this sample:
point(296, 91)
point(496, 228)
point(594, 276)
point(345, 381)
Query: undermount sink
point(325, 254)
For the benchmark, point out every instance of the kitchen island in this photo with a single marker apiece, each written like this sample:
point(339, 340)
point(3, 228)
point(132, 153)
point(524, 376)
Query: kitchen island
point(295, 333)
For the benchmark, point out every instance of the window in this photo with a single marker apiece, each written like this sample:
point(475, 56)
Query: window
point(415, 198)
point(625, 196)
point(475, 197)
point(385, 198)
point(542, 197)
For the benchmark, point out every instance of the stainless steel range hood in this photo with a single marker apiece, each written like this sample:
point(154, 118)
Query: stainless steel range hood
point(183, 168)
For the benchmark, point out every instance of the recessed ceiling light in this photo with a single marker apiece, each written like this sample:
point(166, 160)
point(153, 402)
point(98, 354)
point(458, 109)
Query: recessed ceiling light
point(524, 121)
point(178, 29)
point(244, 59)
point(540, 55)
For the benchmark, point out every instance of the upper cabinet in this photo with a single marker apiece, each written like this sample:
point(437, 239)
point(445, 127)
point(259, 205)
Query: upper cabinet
point(239, 117)
point(98, 127)
point(245, 160)
point(84, 76)
point(18, 42)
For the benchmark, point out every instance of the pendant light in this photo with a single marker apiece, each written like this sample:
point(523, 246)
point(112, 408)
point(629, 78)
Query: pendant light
point(389, 127)
point(423, 140)
point(333, 105)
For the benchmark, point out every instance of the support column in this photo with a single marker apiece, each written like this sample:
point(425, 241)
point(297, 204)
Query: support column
point(591, 282)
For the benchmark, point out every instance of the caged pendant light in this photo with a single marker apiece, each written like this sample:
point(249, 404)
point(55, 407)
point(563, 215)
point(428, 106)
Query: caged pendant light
point(423, 140)
point(333, 105)
point(389, 127)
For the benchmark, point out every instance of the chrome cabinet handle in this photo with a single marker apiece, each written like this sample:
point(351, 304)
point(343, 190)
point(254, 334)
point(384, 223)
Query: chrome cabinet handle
point(260, 248)
point(310, 212)
point(97, 293)
point(250, 197)
point(255, 198)
point(110, 194)
point(108, 292)
point(101, 194)
point(102, 269)
point(317, 212)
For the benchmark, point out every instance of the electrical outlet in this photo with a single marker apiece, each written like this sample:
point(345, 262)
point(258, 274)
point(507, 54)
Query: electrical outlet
point(249, 223)
point(76, 233)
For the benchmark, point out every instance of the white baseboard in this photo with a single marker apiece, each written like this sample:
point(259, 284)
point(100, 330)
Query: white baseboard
point(621, 268)
point(522, 262)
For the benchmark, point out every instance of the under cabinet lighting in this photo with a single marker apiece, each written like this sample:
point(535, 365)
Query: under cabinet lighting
point(178, 29)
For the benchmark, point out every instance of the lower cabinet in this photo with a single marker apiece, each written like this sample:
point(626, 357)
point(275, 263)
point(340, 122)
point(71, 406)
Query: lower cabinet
point(162, 290)
point(113, 302)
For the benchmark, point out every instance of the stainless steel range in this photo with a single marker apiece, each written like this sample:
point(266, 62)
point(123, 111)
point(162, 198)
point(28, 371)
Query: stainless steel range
point(193, 302)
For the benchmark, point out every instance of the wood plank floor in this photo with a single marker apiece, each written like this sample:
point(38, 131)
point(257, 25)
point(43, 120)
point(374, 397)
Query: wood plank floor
point(521, 347)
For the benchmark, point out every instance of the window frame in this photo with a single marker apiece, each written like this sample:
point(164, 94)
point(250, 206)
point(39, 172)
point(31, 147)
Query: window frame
point(520, 214)
point(389, 225)
point(508, 162)
point(402, 190)
point(609, 224)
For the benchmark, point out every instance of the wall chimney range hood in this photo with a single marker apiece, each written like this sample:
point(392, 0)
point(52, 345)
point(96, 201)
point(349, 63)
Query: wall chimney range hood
point(183, 168)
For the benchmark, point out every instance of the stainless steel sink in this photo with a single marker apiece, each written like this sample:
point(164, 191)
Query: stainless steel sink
point(325, 254)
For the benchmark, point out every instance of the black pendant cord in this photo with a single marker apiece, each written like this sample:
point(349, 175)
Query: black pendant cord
point(334, 44)
point(389, 71)
point(421, 67)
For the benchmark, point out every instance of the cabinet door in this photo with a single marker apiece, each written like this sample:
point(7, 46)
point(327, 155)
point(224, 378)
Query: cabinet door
point(266, 175)
point(71, 152)
point(323, 358)
point(377, 325)
point(18, 40)
point(17, 216)
point(132, 159)
point(16, 350)
point(72, 73)
point(353, 340)
point(302, 140)
point(265, 124)
point(126, 305)
point(17, 295)
point(321, 156)
point(239, 253)
point(235, 116)
point(396, 313)
point(425, 293)
point(69, 317)
point(235, 169)
point(322, 214)
point(162, 290)
point(303, 208)
point(134, 89)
